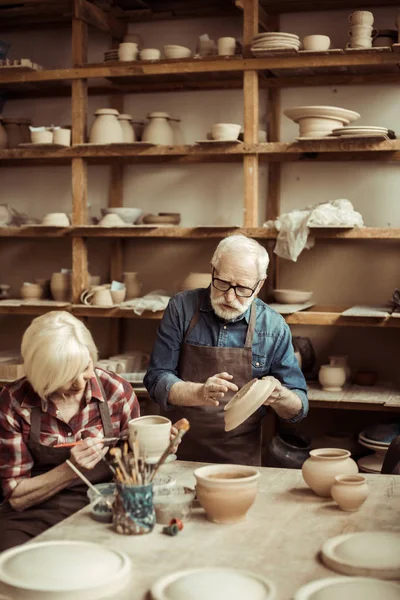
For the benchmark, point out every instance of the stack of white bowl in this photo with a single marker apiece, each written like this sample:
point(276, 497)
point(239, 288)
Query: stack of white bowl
point(263, 43)
point(361, 33)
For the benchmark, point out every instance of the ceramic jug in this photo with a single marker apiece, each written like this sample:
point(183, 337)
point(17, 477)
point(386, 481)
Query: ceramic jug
point(60, 286)
point(106, 129)
point(350, 491)
point(126, 123)
point(132, 285)
point(319, 471)
point(158, 130)
point(3, 135)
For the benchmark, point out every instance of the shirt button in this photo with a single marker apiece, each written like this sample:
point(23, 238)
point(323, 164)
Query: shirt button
point(257, 364)
point(225, 327)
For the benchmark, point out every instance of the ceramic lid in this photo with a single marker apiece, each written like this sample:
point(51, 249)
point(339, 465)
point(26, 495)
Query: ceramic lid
point(160, 115)
point(246, 401)
point(213, 584)
point(348, 588)
point(107, 111)
point(62, 566)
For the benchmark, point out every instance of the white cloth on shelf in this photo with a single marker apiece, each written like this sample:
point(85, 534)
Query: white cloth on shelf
point(294, 227)
point(153, 301)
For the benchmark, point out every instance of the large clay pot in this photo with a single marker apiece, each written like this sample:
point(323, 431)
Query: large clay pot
point(288, 451)
point(3, 135)
point(158, 130)
point(106, 129)
point(60, 286)
point(350, 491)
point(126, 123)
point(319, 471)
point(132, 285)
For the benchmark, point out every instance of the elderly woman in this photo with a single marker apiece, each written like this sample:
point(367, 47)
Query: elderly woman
point(62, 399)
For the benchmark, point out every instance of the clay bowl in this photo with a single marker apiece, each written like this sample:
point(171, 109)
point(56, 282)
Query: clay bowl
point(162, 219)
point(226, 492)
point(365, 378)
point(292, 296)
point(127, 214)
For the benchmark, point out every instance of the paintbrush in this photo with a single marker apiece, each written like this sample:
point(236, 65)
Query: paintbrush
point(117, 454)
point(183, 427)
point(88, 483)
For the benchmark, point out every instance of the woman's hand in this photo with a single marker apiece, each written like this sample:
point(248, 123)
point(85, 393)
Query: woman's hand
point(87, 453)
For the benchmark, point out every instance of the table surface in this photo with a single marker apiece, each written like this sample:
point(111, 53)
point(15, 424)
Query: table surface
point(280, 539)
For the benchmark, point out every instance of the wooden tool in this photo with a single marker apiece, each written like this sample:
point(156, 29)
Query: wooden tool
point(183, 426)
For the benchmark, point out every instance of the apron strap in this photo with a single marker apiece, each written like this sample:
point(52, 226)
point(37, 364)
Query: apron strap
point(252, 325)
point(36, 420)
point(104, 410)
point(192, 323)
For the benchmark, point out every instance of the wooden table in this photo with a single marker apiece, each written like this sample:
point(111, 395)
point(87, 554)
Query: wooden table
point(280, 539)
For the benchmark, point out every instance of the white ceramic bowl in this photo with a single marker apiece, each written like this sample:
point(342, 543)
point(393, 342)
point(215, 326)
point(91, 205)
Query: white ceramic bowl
point(292, 296)
point(225, 131)
point(111, 220)
point(150, 54)
point(56, 219)
point(177, 52)
point(42, 137)
point(128, 215)
point(316, 43)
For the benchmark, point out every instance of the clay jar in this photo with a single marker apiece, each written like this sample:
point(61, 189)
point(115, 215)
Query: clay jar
point(106, 129)
point(132, 285)
point(226, 492)
point(152, 433)
point(319, 471)
point(158, 130)
point(31, 291)
point(332, 378)
point(127, 129)
point(60, 286)
point(350, 491)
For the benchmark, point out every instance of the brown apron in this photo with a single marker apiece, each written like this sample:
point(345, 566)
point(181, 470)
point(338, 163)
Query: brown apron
point(19, 527)
point(207, 440)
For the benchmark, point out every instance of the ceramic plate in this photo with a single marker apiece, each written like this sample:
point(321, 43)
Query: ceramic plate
point(246, 401)
point(358, 129)
point(368, 553)
point(348, 588)
point(334, 112)
point(365, 438)
point(63, 569)
point(371, 463)
point(268, 34)
point(213, 584)
point(207, 142)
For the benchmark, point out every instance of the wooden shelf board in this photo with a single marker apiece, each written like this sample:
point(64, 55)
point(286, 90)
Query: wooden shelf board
point(326, 316)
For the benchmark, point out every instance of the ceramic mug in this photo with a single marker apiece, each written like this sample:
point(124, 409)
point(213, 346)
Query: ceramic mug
point(127, 51)
point(118, 296)
point(226, 46)
point(153, 434)
point(361, 17)
point(42, 137)
point(97, 296)
point(316, 43)
point(62, 137)
point(360, 43)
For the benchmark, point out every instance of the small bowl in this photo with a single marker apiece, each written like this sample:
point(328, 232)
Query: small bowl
point(150, 54)
point(194, 281)
point(128, 215)
point(112, 220)
point(172, 503)
point(177, 52)
point(225, 131)
point(292, 296)
point(56, 220)
point(42, 137)
point(101, 510)
point(365, 377)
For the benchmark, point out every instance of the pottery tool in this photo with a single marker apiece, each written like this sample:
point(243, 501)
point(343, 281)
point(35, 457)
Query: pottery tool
point(183, 426)
point(84, 479)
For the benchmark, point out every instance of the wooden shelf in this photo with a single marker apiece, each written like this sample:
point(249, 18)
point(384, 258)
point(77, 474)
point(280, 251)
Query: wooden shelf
point(379, 397)
point(327, 316)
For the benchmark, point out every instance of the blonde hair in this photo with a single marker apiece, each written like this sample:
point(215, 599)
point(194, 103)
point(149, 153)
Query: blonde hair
point(56, 348)
point(241, 244)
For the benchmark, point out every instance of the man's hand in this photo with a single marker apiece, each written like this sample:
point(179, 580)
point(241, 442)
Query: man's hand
point(87, 453)
point(278, 393)
point(216, 387)
point(285, 403)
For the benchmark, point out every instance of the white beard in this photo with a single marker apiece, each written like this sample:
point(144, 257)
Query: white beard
point(228, 314)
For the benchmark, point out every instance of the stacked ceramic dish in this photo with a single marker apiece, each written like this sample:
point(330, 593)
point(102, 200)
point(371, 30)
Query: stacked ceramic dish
point(111, 55)
point(361, 132)
point(320, 121)
point(377, 439)
point(263, 43)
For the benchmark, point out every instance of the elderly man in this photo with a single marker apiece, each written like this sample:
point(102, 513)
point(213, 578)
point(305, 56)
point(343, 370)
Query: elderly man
point(210, 343)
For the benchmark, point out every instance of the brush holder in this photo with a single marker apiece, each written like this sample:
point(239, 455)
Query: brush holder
point(133, 509)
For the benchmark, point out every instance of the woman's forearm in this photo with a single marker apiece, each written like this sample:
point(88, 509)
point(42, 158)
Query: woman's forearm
point(34, 490)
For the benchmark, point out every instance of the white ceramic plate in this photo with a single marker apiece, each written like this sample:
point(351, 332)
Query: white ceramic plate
point(246, 401)
point(213, 584)
point(334, 112)
point(268, 34)
point(63, 570)
point(367, 553)
point(358, 129)
point(348, 588)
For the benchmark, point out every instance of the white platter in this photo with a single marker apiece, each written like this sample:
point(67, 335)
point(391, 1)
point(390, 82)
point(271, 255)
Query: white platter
point(289, 309)
point(63, 570)
point(246, 401)
point(367, 554)
point(348, 588)
point(359, 128)
point(213, 584)
point(333, 112)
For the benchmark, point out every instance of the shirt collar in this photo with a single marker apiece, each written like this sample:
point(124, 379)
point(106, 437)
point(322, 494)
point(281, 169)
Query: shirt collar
point(206, 306)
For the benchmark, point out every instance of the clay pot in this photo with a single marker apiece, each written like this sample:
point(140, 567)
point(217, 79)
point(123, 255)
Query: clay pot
point(288, 451)
point(106, 129)
point(226, 492)
point(127, 129)
point(60, 286)
point(31, 291)
point(332, 378)
point(132, 285)
point(319, 471)
point(152, 432)
point(350, 491)
point(3, 136)
point(158, 130)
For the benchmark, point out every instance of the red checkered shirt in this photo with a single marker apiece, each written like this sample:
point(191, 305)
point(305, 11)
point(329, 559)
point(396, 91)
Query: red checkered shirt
point(17, 400)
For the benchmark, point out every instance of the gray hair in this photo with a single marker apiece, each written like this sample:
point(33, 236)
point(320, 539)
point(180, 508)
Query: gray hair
point(241, 244)
point(56, 348)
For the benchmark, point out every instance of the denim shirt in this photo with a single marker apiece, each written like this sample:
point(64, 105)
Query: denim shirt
point(272, 348)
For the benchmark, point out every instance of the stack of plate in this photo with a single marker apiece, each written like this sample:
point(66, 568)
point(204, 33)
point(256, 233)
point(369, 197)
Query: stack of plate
point(377, 439)
point(263, 43)
point(360, 132)
point(111, 55)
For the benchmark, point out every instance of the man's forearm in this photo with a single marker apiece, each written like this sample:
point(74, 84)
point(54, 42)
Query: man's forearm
point(34, 490)
point(289, 405)
point(183, 393)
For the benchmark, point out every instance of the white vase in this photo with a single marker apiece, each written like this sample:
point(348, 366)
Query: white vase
point(106, 128)
point(126, 123)
point(158, 130)
point(332, 378)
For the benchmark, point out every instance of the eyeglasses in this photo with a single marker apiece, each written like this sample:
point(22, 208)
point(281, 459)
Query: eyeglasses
point(240, 290)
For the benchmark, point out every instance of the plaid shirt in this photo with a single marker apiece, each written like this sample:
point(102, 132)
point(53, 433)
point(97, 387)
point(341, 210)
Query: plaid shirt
point(17, 400)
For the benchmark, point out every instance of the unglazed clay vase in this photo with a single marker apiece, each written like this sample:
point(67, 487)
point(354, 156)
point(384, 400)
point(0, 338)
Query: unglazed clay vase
point(152, 432)
point(319, 471)
point(158, 130)
point(226, 492)
point(350, 491)
point(132, 285)
point(332, 378)
point(127, 129)
point(60, 286)
point(106, 129)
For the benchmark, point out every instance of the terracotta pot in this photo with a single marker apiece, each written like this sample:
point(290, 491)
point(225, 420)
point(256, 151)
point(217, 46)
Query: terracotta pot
point(31, 291)
point(158, 130)
point(132, 285)
point(226, 492)
point(319, 471)
point(152, 432)
point(3, 136)
point(127, 129)
point(332, 378)
point(60, 286)
point(106, 129)
point(350, 491)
